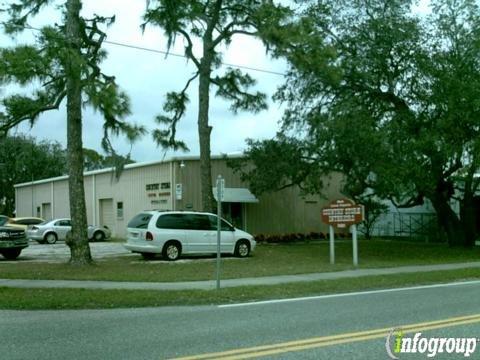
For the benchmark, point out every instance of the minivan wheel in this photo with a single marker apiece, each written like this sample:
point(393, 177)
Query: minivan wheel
point(242, 249)
point(51, 238)
point(171, 251)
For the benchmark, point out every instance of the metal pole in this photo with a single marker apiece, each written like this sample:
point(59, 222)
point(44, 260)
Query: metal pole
point(31, 173)
point(219, 215)
point(33, 202)
point(355, 245)
point(332, 245)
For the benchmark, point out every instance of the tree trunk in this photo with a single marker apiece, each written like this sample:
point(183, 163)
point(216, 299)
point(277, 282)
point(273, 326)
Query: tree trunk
point(204, 129)
point(468, 218)
point(448, 221)
point(78, 238)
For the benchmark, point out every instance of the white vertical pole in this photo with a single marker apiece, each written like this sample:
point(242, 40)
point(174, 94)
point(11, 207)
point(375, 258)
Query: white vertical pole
point(219, 215)
point(332, 245)
point(355, 245)
point(94, 200)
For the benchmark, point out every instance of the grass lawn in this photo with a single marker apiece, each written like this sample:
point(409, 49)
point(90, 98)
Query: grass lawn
point(268, 259)
point(21, 299)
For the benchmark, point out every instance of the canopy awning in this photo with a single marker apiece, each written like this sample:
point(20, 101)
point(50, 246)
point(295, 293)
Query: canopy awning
point(236, 195)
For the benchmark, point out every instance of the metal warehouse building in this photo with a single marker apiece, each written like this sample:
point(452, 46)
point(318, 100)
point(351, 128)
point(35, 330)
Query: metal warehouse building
point(174, 184)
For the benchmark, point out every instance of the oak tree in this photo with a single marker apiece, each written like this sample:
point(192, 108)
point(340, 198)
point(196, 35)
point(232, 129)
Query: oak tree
point(389, 98)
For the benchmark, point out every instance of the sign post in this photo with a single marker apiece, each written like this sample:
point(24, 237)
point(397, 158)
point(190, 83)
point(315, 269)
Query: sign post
point(220, 191)
point(332, 245)
point(178, 191)
point(343, 213)
point(354, 245)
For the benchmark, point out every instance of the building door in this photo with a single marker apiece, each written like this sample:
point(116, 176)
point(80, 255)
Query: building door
point(47, 211)
point(233, 213)
point(106, 213)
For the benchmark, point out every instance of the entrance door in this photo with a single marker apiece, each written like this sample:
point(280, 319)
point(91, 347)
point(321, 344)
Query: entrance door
point(106, 213)
point(233, 213)
point(46, 211)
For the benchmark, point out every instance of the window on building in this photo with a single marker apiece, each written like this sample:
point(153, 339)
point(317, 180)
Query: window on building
point(151, 187)
point(38, 211)
point(120, 210)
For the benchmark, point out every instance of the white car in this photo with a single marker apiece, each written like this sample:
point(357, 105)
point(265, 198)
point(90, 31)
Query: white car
point(173, 233)
point(51, 231)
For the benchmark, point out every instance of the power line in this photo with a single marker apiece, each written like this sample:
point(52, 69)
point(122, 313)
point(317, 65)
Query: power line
point(183, 56)
point(176, 55)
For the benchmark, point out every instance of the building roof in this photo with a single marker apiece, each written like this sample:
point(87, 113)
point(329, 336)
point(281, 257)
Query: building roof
point(130, 166)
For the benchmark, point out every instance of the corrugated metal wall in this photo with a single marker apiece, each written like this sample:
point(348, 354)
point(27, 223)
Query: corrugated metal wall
point(61, 202)
point(130, 189)
point(282, 212)
point(24, 201)
point(287, 211)
point(189, 177)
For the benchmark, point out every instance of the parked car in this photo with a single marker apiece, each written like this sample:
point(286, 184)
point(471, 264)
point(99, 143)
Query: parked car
point(12, 241)
point(24, 222)
point(51, 231)
point(173, 233)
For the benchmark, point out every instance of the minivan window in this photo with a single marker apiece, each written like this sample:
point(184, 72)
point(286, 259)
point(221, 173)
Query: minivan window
point(183, 222)
point(224, 226)
point(198, 222)
point(140, 221)
point(172, 221)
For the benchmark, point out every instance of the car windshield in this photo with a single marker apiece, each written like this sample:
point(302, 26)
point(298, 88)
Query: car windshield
point(3, 220)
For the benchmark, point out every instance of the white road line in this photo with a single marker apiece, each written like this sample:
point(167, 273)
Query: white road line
point(359, 293)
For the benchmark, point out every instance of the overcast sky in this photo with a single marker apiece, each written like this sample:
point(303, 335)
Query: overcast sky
point(147, 77)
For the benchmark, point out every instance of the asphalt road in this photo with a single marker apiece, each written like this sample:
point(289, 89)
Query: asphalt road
point(300, 326)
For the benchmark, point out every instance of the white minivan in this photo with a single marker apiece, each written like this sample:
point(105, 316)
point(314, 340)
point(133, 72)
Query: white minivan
point(172, 233)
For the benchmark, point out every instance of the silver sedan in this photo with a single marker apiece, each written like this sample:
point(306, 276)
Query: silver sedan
point(53, 230)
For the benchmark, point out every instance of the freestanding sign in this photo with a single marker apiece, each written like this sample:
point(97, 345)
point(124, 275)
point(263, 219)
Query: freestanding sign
point(342, 213)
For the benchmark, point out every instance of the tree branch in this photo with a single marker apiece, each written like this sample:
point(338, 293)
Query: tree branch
point(189, 48)
point(32, 114)
point(413, 201)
